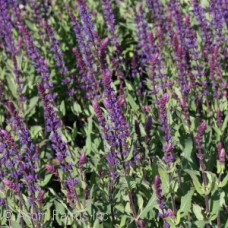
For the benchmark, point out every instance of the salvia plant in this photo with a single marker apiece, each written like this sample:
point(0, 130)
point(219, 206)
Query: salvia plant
point(113, 113)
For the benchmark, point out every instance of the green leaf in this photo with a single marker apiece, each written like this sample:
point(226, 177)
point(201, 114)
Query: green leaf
point(123, 221)
point(132, 103)
point(188, 149)
point(140, 202)
point(128, 208)
point(224, 126)
point(200, 224)
point(62, 108)
point(15, 224)
point(31, 107)
point(47, 213)
point(88, 138)
point(12, 85)
point(205, 3)
point(186, 203)
point(194, 175)
point(164, 179)
point(224, 181)
point(59, 207)
point(222, 199)
point(214, 205)
point(120, 208)
point(46, 180)
point(150, 205)
point(35, 130)
point(76, 109)
point(28, 218)
point(197, 211)
point(97, 224)
point(211, 186)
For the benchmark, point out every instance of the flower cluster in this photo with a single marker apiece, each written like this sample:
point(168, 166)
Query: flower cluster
point(118, 124)
point(52, 124)
point(58, 57)
point(199, 137)
point(28, 159)
point(168, 147)
point(110, 22)
point(85, 60)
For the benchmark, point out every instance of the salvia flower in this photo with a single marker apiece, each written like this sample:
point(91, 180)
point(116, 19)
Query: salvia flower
point(161, 202)
point(23, 134)
point(39, 63)
point(158, 191)
point(203, 25)
point(177, 16)
point(179, 57)
point(6, 27)
point(108, 136)
point(162, 111)
point(216, 75)
point(86, 64)
point(142, 34)
point(103, 52)
point(51, 169)
point(88, 26)
point(18, 166)
point(199, 137)
point(14, 187)
point(53, 126)
point(217, 22)
point(58, 56)
point(6, 34)
point(185, 110)
point(110, 22)
point(10, 157)
point(221, 153)
point(222, 156)
point(148, 126)
point(223, 8)
point(195, 60)
point(119, 126)
point(157, 12)
point(82, 160)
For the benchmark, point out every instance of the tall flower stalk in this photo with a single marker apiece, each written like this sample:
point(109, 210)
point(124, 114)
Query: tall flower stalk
point(199, 146)
point(52, 125)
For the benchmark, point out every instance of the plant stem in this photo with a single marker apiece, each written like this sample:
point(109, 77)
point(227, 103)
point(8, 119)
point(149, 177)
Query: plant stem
point(130, 197)
point(172, 196)
point(111, 201)
point(206, 197)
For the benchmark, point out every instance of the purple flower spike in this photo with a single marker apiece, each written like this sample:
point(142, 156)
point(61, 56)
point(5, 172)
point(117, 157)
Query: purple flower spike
point(222, 156)
point(110, 22)
point(168, 147)
point(119, 125)
point(6, 27)
point(199, 136)
point(217, 22)
point(85, 60)
point(221, 153)
point(144, 43)
point(203, 25)
point(51, 169)
point(88, 26)
point(82, 160)
point(58, 56)
point(157, 12)
point(158, 191)
point(38, 62)
point(14, 187)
